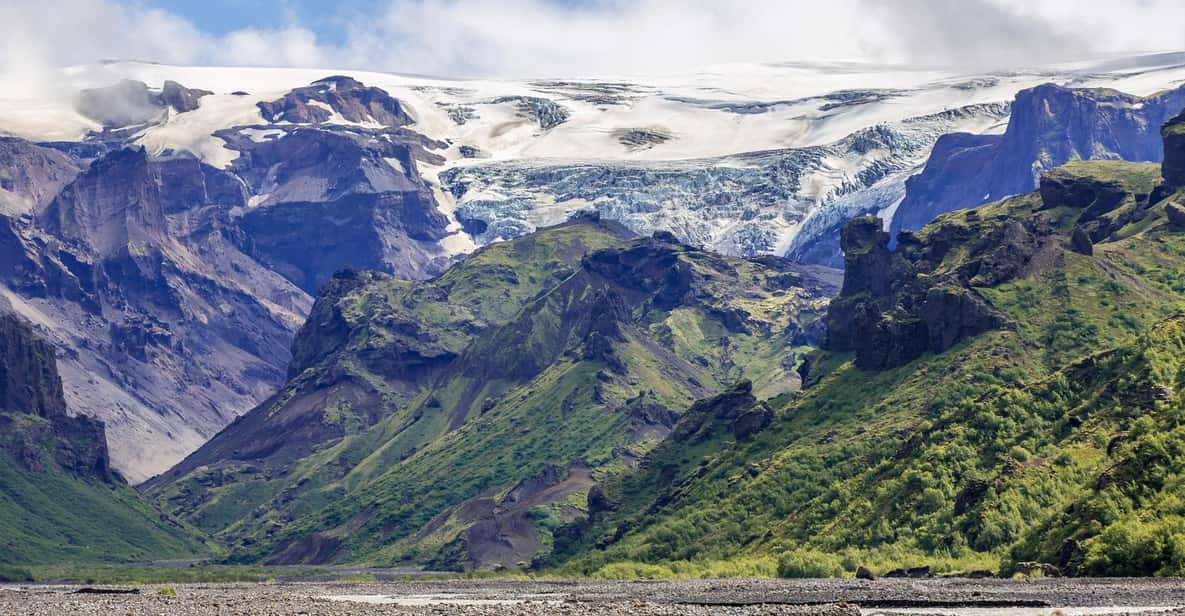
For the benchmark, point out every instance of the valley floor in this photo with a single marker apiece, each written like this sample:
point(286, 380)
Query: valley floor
point(813, 597)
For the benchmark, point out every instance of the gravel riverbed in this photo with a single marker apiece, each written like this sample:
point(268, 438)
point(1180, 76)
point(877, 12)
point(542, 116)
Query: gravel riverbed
point(660, 598)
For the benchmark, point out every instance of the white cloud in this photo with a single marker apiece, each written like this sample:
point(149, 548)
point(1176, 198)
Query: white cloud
point(522, 38)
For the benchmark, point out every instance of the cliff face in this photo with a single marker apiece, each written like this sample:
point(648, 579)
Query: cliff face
point(113, 207)
point(893, 308)
point(30, 385)
point(31, 175)
point(61, 500)
point(1049, 126)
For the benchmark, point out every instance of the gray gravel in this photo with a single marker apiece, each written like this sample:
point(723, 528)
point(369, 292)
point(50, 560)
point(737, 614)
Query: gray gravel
point(665, 598)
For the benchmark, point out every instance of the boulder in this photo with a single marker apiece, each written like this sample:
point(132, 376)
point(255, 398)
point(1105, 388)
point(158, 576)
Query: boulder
point(1176, 215)
point(1033, 568)
point(752, 422)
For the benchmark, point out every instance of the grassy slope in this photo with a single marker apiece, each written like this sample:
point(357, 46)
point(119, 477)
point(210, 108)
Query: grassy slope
point(988, 452)
point(48, 516)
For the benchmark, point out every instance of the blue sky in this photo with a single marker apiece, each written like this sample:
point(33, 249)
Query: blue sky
point(327, 18)
point(218, 17)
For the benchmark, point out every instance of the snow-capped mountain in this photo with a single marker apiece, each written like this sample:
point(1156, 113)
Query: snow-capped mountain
point(745, 159)
point(172, 275)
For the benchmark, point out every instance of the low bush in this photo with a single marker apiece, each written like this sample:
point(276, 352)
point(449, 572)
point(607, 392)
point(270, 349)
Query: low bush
point(809, 564)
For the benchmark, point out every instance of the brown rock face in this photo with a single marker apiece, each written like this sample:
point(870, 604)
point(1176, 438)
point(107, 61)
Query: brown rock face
point(181, 98)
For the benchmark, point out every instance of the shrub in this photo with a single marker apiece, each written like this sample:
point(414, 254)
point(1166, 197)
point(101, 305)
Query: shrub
point(9, 573)
point(167, 591)
point(802, 563)
point(632, 571)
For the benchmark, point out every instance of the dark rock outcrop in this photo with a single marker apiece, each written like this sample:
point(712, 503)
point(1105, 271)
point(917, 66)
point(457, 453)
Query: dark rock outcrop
point(326, 330)
point(181, 98)
point(706, 415)
point(892, 307)
point(1173, 167)
point(343, 95)
point(1176, 214)
point(29, 381)
point(1080, 241)
point(867, 260)
point(752, 422)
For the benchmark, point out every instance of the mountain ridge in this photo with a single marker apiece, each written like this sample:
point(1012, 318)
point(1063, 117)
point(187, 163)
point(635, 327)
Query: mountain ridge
point(602, 340)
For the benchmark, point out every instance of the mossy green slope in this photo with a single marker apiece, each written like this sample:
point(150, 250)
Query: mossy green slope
point(459, 415)
point(50, 516)
point(1053, 436)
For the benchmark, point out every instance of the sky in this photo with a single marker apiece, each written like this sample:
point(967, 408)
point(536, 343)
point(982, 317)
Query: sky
point(585, 38)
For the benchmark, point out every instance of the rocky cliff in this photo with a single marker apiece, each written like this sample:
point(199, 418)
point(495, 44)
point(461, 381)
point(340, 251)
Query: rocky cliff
point(1049, 126)
point(926, 295)
point(174, 286)
point(1173, 168)
point(30, 385)
point(896, 306)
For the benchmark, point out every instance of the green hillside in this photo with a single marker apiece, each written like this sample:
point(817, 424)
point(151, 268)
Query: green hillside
point(1002, 390)
point(49, 516)
point(999, 393)
point(456, 422)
